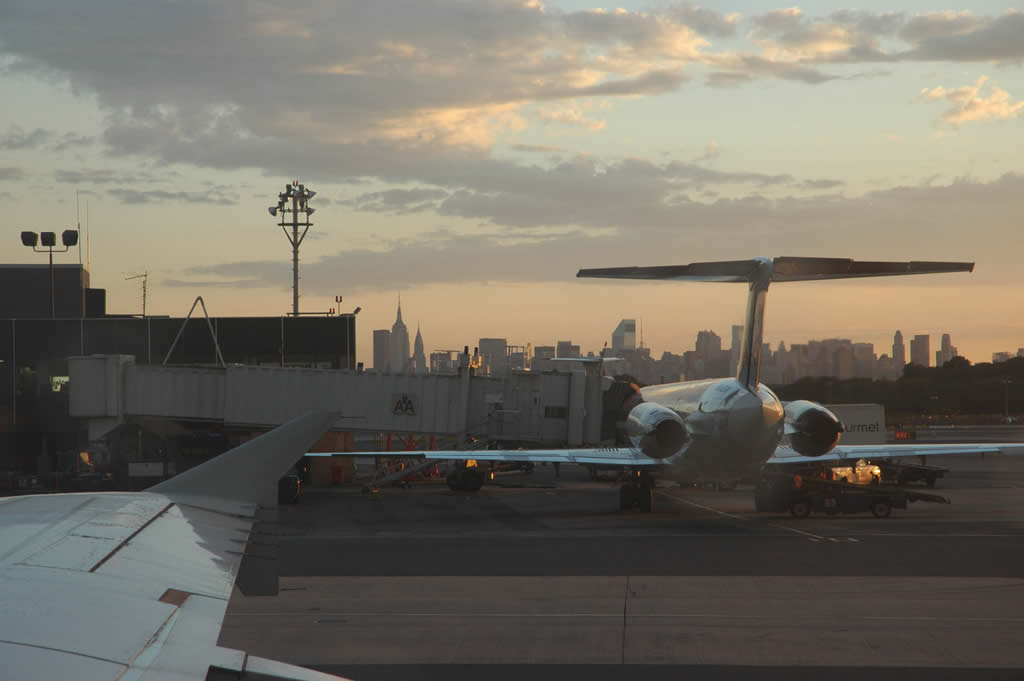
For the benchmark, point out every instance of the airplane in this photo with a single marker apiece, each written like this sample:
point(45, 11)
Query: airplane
point(719, 429)
point(134, 586)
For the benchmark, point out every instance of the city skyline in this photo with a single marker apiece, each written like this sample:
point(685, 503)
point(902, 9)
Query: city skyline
point(473, 156)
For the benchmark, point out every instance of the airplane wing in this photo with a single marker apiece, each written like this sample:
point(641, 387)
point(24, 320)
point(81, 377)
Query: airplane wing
point(134, 586)
point(614, 456)
point(785, 454)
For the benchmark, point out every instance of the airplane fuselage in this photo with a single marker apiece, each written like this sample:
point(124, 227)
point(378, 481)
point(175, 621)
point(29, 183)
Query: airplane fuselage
point(731, 430)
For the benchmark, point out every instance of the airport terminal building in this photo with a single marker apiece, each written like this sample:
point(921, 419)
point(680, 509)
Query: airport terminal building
point(36, 342)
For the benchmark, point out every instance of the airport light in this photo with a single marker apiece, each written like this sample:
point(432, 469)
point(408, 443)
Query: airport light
point(294, 199)
point(69, 237)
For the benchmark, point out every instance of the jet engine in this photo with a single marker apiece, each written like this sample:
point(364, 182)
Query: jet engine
point(655, 430)
point(813, 430)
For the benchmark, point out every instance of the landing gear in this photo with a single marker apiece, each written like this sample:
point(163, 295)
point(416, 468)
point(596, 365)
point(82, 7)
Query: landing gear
point(465, 480)
point(637, 493)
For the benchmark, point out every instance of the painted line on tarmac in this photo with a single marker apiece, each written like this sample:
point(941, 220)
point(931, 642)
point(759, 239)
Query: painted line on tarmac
point(701, 506)
point(810, 535)
point(813, 537)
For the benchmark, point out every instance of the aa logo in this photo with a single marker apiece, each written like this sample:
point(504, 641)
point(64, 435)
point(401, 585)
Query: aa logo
point(404, 406)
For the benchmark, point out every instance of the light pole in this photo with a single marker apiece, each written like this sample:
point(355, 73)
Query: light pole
point(298, 196)
point(1006, 399)
point(69, 237)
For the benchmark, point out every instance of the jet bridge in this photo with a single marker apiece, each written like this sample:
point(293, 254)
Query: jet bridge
point(557, 408)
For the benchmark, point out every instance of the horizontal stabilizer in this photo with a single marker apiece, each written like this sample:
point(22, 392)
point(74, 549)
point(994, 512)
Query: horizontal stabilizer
point(249, 472)
point(812, 269)
point(783, 269)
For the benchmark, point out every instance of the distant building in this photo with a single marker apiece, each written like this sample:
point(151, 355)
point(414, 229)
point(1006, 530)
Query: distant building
point(381, 349)
point(541, 354)
point(709, 344)
point(899, 351)
point(736, 347)
point(946, 351)
point(399, 344)
point(444, 362)
point(419, 359)
point(520, 357)
point(920, 350)
point(1001, 357)
point(567, 349)
point(494, 355)
point(624, 336)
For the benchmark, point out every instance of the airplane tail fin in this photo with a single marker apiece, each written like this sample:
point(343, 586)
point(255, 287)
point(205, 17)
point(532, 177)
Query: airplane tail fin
point(249, 472)
point(758, 274)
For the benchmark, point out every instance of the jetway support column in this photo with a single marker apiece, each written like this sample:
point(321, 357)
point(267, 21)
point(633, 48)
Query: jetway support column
point(577, 408)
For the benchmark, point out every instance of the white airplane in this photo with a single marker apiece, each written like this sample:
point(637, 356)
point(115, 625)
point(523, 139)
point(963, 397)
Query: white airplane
point(134, 586)
point(723, 429)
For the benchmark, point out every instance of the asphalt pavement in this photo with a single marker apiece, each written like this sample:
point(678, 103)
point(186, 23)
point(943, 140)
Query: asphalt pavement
point(545, 577)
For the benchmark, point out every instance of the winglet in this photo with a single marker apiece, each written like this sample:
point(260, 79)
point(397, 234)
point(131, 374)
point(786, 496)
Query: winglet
point(249, 473)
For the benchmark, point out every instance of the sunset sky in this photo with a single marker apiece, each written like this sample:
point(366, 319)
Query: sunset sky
point(474, 155)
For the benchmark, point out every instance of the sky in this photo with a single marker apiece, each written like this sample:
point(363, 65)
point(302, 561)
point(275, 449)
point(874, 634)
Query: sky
point(473, 155)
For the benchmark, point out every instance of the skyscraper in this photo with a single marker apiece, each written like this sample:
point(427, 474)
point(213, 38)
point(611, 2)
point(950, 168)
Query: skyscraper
point(567, 349)
point(899, 352)
point(494, 352)
point(419, 358)
point(399, 344)
point(737, 345)
point(946, 351)
point(624, 335)
point(381, 349)
point(920, 350)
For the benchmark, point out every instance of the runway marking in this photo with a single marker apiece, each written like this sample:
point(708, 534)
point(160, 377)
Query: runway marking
point(701, 506)
point(817, 538)
point(810, 536)
point(813, 537)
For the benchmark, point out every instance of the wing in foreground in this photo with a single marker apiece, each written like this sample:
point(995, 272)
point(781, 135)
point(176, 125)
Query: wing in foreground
point(135, 585)
point(785, 454)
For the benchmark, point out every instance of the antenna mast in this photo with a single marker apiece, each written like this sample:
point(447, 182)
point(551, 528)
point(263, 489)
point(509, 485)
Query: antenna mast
point(145, 281)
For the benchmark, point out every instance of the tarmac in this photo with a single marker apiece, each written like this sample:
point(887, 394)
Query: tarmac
point(544, 577)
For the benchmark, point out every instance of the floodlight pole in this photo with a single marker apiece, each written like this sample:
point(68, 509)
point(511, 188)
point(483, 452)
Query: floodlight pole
point(53, 297)
point(300, 197)
point(295, 254)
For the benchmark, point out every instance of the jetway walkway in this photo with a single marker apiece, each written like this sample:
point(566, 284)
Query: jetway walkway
point(562, 408)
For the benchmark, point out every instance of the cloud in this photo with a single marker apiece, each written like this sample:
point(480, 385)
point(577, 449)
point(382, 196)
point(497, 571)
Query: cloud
point(538, 149)
point(107, 176)
point(449, 72)
point(711, 150)
point(924, 221)
point(17, 139)
point(570, 115)
point(399, 201)
point(157, 196)
point(8, 173)
point(705, 21)
point(960, 36)
point(821, 184)
point(969, 105)
point(71, 140)
point(779, 19)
